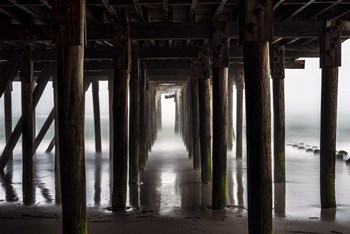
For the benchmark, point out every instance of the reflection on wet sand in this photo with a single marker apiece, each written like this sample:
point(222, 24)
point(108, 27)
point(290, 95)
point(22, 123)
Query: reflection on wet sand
point(97, 184)
point(280, 199)
point(170, 187)
point(6, 183)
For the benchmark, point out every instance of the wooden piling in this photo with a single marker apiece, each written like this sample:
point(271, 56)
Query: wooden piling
point(97, 119)
point(134, 120)
point(258, 117)
point(120, 114)
point(277, 68)
point(256, 26)
point(204, 119)
point(239, 113)
point(330, 51)
point(195, 115)
point(231, 133)
point(69, 35)
point(159, 111)
point(143, 122)
point(205, 129)
point(26, 72)
point(220, 114)
point(8, 113)
point(189, 120)
point(71, 146)
point(110, 103)
point(177, 112)
point(184, 117)
point(56, 137)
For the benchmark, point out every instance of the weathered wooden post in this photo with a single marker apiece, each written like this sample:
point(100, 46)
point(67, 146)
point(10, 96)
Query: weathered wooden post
point(204, 118)
point(256, 32)
point(110, 103)
point(195, 114)
point(153, 125)
point(120, 113)
point(69, 34)
point(220, 114)
point(330, 60)
point(148, 114)
point(8, 113)
point(277, 75)
point(184, 116)
point(56, 137)
point(26, 73)
point(230, 133)
point(159, 111)
point(189, 118)
point(177, 111)
point(134, 119)
point(97, 119)
point(143, 122)
point(239, 113)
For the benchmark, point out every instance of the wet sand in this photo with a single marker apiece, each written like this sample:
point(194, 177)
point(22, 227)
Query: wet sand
point(171, 199)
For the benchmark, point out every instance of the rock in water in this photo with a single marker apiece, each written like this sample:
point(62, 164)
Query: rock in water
point(343, 152)
point(339, 156)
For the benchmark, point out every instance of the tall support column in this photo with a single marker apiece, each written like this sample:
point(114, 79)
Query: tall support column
point(277, 68)
point(56, 137)
point(97, 119)
point(220, 114)
point(27, 130)
point(184, 116)
point(148, 121)
point(195, 114)
point(110, 103)
point(177, 111)
point(330, 52)
point(143, 122)
point(159, 111)
point(256, 32)
point(239, 113)
point(8, 113)
point(69, 33)
point(120, 114)
point(230, 133)
point(189, 119)
point(204, 118)
point(134, 119)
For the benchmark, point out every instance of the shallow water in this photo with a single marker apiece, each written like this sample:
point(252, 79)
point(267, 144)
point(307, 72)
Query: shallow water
point(170, 187)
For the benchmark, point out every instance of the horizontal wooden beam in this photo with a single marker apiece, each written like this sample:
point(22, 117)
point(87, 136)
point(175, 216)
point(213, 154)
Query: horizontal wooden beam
point(160, 2)
point(108, 53)
point(168, 52)
point(169, 64)
point(163, 31)
point(169, 72)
